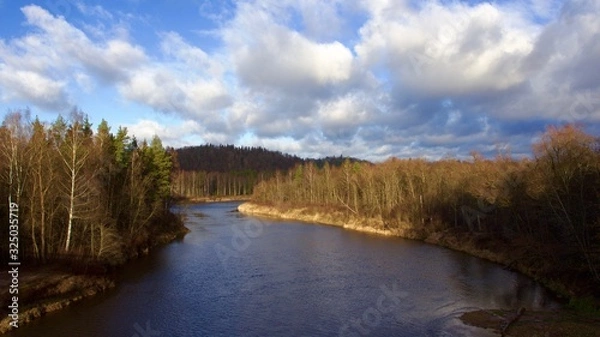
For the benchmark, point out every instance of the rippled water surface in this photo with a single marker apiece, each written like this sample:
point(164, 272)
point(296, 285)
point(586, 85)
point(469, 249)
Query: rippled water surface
point(236, 275)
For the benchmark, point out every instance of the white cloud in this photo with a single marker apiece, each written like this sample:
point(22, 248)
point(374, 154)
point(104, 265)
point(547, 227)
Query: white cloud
point(561, 84)
point(31, 87)
point(415, 78)
point(448, 50)
point(165, 90)
point(171, 135)
point(268, 55)
point(186, 81)
point(108, 60)
point(189, 58)
point(40, 66)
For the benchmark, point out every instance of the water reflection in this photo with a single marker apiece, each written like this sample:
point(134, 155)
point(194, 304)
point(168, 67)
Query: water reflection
point(290, 278)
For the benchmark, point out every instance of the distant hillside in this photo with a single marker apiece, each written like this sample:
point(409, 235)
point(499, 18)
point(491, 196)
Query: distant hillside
point(336, 161)
point(226, 170)
point(227, 158)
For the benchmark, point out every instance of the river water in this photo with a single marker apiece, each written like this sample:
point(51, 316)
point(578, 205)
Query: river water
point(236, 275)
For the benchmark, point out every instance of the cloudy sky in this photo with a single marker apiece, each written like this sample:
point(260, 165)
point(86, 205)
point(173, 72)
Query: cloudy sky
point(364, 78)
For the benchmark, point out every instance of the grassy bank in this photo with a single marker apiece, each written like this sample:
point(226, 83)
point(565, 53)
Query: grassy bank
point(327, 217)
point(196, 200)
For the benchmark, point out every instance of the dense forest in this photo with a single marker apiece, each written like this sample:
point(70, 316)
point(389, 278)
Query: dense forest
point(80, 194)
point(227, 158)
point(548, 205)
point(226, 170)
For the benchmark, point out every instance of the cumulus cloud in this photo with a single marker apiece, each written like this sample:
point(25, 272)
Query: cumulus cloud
point(172, 135)
point(31, 87)
point(40, 66)
point(269, 55)
point(447, 50)
point(188, 82)
point(435, 78)
point(165, 90)
point(560, 85)
point(291, 73)
point(363, 78)
point(108, 60)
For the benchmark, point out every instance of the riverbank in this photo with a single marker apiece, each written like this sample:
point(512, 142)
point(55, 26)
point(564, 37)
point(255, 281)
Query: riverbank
point(534, 323)
point(200, 200)
point(44, 289)
point(514, 255)
point(333, 218)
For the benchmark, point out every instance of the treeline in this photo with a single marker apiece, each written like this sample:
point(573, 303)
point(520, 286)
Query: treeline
point(550, 203)
point(227, 170)
point(82, 195)
point(228, 158)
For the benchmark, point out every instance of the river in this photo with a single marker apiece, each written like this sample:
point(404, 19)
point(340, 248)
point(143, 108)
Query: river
point(236, 275)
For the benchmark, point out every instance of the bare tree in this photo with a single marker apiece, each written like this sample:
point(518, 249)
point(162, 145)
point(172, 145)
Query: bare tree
point(75, 154)
point(16, 128)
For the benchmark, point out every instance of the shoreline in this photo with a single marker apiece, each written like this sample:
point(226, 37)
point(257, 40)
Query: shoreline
point(44, 289)
point(471, 244)
point(200, 200)
point(47, 289)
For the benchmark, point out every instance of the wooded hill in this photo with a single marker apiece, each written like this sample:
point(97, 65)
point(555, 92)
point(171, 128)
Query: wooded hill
point(227, 158)
point(227, 170)
point(546, 207)
point(81, 195)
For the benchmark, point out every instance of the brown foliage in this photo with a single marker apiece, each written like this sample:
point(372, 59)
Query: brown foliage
point(552, 199)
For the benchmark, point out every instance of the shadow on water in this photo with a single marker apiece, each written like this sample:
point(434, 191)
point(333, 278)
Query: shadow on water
point(235, 275)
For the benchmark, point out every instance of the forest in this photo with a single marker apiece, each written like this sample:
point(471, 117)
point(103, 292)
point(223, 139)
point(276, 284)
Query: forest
point(547, 205)
point(207, 171)
point(225, 170)
point(83, 195)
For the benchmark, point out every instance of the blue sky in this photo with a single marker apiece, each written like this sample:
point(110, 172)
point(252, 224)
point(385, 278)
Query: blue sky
point(365, 78)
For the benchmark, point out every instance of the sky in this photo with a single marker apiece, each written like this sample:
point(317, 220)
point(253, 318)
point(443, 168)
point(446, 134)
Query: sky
point(364, 78)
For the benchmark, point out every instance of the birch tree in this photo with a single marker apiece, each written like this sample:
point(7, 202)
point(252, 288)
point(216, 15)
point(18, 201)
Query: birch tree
point(75, 154)
point(12, 150)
